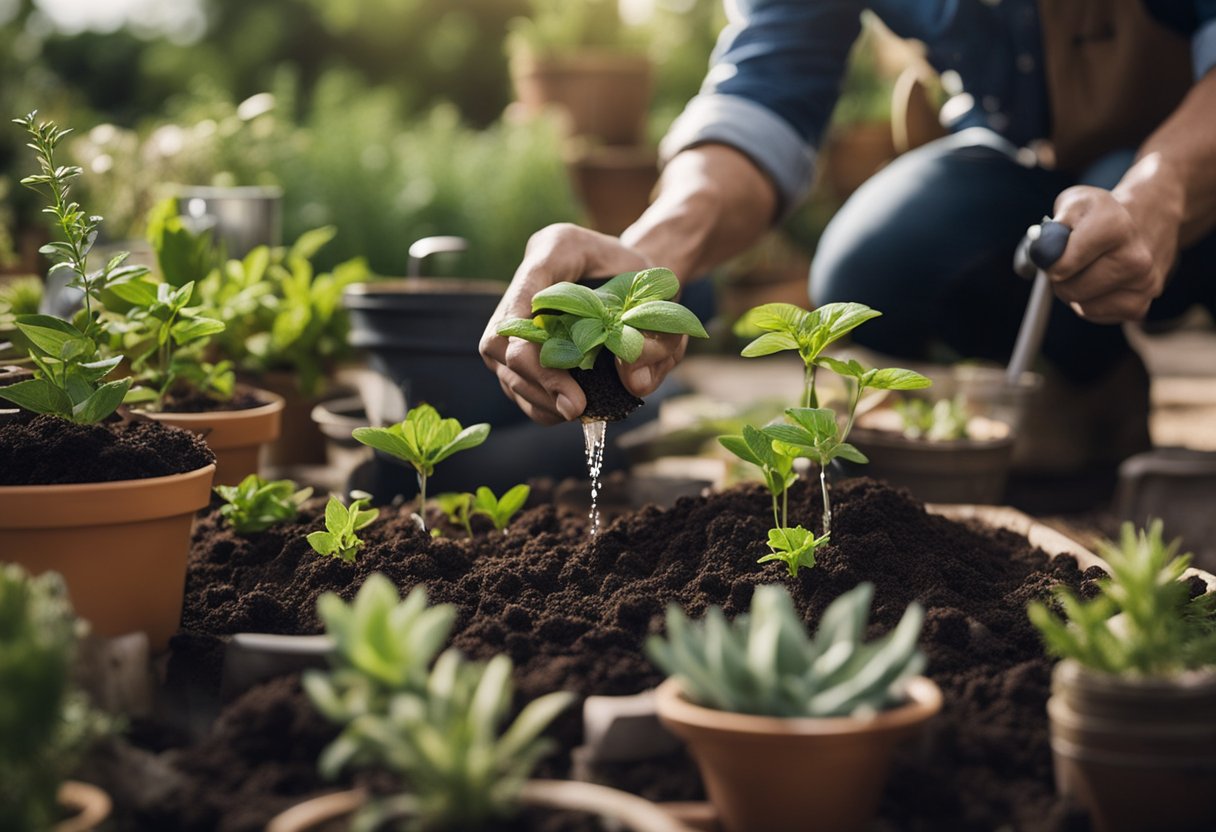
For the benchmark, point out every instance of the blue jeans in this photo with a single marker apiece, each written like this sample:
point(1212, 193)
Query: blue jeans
point(929, 242)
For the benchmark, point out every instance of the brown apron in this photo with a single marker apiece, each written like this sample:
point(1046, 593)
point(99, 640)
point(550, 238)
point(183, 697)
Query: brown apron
point(1113, 75)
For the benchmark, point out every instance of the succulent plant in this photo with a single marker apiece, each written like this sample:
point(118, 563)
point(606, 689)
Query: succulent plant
point(45, 724)
point(440, 733)
point(1143, 619)
point(764, 663)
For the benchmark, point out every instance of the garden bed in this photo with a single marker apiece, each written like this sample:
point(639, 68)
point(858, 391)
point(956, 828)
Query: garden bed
point(573, 615)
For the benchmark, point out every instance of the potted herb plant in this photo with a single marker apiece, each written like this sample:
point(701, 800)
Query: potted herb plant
point(789, 729)
point(584, 330)
point(439, 733)
point(46, 724)
point(287, 331)
point(579, 57)
point(1133, 705)
point(107, 502)
point(938, 450)
point(166, 330)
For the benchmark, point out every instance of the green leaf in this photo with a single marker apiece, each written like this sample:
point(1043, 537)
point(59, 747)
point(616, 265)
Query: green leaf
point(470, 437)
point(839, 319)
point(770, 343)
point(665, 316)
point(141, 293)
point(560, 354)
point(739, 447)
point(37, 396)
point(616, 290)
point(514, 499)
point(193, 329)
point(323, 543)
point(588, 333)
point(895, 378)
point(310, 242)
point(52, 336)
point(386, 441)
point(846, 451)
point(626, 343)
point(336, 515)
point(522, 328)
point(849, 369)
point(652, 285)
point(104, 401)
point(820, 422)
point(571, 298)
point(772, 317)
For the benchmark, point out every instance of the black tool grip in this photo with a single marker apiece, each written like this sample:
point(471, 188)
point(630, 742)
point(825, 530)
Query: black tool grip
point(1041, 248)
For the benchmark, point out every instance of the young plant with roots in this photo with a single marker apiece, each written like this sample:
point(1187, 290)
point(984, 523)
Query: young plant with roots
point(811, 432)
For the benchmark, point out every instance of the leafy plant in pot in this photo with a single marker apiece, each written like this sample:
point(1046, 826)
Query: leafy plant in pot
point(582, 329)
point(439, 734)
point(46, 725)
point(789, 729)
point(166, 328)
point(1133, 705)
point(88, 494)
point(581, 58)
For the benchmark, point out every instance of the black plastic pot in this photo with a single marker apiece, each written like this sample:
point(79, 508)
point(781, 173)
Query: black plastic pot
point(421, 336)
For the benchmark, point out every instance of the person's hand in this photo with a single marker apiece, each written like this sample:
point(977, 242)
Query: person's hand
point(557, 253)
point(1117, 257)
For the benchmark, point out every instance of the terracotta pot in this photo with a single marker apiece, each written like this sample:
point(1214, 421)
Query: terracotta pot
point(614, 183)
point(300, 442)
point(1138, 753)
point(794, 775)
point(235, 437)
point(89, 807)
point(605, 94)
point(120, 546)
point(332, 812)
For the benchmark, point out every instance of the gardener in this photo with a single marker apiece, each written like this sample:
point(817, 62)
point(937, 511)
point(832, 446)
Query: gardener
point(1101, 113)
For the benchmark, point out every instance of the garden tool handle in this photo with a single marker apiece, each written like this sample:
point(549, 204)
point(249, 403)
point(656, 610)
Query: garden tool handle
point(429, 246)
point(1039, 250)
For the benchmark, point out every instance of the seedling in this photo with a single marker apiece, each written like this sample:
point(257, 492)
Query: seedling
point(501, 510)
point(1143, 621)
point(423, 439)
point(70, 367)
point(456, 507)
point(45, 723)
point(439, 733)
point(573, 323)
point(339, 539)
point(794, 547)
point(776, 468)
point(254, 505)
point(764, 663)
point(945, 420)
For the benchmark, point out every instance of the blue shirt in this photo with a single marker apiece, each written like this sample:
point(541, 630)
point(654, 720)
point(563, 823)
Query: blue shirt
point(776, 72)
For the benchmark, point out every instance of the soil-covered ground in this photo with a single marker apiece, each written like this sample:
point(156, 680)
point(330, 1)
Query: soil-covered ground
point(573, 614)
point(46, 450)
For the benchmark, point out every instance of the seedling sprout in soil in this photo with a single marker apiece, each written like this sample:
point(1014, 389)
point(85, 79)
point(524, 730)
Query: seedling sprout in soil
point(441, 732)
point(254, 505)
point(339, 539)
point(459, 507)
point(945, 420)
point(811, 432)
point(423, 439)
point(68, 356)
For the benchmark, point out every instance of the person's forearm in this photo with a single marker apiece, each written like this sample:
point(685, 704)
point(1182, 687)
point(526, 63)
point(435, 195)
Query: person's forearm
point(713, 203)
point(1174, 176)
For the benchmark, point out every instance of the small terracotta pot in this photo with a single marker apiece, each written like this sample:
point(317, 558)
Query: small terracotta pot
point(952, 471)
point(333, 812)
point(120, 546)
point(300, 442)
point(606, 94)
point(1138, 753)
point(794, 775)
point(235, 437)
point(614, 184)
point(89, 807)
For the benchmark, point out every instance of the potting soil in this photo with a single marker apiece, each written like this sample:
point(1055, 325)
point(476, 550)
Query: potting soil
point(607, 398)
point(194, 401)
point(46, 450)
point(573, 615)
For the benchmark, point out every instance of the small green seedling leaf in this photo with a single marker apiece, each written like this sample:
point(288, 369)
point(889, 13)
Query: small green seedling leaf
point(254, 504)
point(794, 547)
point(340, 538)
point(501, 510)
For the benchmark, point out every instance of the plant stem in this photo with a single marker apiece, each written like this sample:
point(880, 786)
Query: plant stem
point(422, 499)
point(776, 519)
point(785, 507)
point(827, 506)
point(809, 399)
point(852, 412)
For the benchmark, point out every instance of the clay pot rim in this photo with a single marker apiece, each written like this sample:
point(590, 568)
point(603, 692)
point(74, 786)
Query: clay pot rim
point(273, 406)
point(924, 701)
point(1072, 673)
point(94, 804)
point(862, 435)
point(84, 489)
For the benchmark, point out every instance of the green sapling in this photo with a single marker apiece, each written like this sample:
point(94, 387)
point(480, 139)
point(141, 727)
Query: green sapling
point(501, 510)
point(339, 539)
point(254, 505)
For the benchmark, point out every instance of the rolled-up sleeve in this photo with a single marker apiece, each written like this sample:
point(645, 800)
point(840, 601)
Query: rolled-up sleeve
point(773, 82)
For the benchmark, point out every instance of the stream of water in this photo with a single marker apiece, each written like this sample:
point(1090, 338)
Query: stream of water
point(593, 440)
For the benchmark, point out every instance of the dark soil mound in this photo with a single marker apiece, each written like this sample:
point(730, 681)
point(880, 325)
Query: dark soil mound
point(45, 450)
point(573, 616)
point(607, 398)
